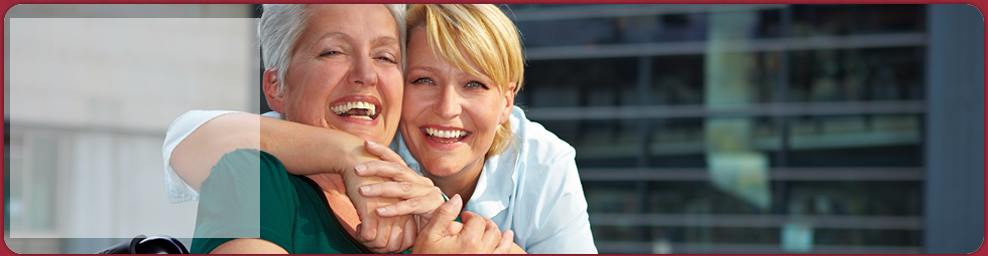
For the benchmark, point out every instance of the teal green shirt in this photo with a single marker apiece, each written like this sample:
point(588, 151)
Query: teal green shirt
point(293, 212)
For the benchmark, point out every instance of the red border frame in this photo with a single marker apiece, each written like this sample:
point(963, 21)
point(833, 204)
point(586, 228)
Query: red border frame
point(980, 4)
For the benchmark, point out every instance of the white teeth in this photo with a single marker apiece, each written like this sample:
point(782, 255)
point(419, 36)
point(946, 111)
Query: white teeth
point(341, 109)
point(444, 134)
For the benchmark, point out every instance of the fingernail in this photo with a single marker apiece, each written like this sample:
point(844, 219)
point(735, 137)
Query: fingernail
point(360, 167)
point(382, 210)
point(365, 189)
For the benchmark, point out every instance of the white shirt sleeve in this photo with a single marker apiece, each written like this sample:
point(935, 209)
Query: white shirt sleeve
point(565, 224)
point(547, 208)
point(178, 191)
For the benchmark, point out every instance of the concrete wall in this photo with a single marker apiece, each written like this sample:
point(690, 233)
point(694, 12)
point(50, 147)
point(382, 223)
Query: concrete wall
point(89, 93)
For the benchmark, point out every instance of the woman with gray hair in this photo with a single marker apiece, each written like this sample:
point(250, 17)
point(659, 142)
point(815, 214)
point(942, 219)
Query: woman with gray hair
point(319, 55)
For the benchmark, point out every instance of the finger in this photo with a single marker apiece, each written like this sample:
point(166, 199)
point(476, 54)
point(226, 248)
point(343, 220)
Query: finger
point(504, 246)
point(384, 233)
point(397, 233)
point(384, 152)
point(454, 227)
point(409, 235)
point(443, 216)
point(391, 189)
point(417, 206)
point(367, 230)
point(402, 190)
point(492, 234)
point(389, 170)
point(473, 226)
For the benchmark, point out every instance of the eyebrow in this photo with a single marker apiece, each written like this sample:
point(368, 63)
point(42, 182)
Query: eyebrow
point(376, 41)
point(382, 40)
point(333, 35)
point(385, 40)
point(325, 36)
point(459, 73)
point(423, 68)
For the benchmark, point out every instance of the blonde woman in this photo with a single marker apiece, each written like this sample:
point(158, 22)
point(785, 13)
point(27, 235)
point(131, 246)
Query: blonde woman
point(462, 130)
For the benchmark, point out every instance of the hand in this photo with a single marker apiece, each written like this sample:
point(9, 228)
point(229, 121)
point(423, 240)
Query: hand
point(395, 233)
point(382, 235)
point(477, 234)
point(418, 194)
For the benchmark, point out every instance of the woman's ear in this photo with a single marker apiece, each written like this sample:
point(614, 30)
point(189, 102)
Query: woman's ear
point(509, 102)
point(272, 89)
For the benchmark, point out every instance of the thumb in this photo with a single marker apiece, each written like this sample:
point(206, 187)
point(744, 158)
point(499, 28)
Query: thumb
point(383, 152)
point(443, 216)
point(504, 246)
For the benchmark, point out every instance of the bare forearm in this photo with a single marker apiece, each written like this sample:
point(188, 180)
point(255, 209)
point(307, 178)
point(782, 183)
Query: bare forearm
point(197, 153)
point(301, 148)
point(305, 149)
point(249, 246)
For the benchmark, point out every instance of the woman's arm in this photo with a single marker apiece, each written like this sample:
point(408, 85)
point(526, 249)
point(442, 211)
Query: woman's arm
point(249, 246)
point(303, 149)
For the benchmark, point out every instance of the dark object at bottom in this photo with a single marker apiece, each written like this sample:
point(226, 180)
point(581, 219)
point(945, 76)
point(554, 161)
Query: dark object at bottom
point(148, 245)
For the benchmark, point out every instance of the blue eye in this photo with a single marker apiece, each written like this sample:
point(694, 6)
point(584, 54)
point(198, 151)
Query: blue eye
point(327, 53)
point(422, 80)
point(476, 84)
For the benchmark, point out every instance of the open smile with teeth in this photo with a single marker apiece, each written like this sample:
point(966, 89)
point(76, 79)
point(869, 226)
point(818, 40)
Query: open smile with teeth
point(446, 136)
point(356, 109)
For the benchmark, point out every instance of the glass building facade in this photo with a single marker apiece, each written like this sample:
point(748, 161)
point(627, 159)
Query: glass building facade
point(738, 128)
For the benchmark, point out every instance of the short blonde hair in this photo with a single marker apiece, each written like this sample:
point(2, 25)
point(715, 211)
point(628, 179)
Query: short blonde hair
point(488, 38)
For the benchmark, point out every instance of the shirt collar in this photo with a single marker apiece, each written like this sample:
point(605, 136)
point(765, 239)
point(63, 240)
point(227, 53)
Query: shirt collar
point(494, 188)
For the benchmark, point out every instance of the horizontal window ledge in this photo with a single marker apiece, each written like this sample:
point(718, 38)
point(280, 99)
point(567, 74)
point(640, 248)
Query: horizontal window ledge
point(722, 248)
point(755, 221)
point(705, 47)
point(19, 127)
point(628, 10)
point(843, 140)
point(706, 111)
point(791, 174)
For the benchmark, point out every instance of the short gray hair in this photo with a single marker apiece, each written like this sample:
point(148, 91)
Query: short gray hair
point(281, 25)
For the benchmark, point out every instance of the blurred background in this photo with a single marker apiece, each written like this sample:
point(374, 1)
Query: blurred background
point(89, 91)
point(698, 128)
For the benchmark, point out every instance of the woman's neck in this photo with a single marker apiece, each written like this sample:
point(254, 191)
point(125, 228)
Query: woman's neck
point(335, 191)
point(463, 182)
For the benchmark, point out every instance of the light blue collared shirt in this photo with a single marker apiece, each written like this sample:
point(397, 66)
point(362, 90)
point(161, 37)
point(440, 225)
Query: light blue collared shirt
point(538, 195)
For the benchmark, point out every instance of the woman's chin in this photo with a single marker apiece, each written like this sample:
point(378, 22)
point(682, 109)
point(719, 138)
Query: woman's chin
point(442, 170)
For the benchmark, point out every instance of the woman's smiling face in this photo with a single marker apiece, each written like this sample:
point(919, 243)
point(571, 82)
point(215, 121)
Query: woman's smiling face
point(345, 72)
point(449, 116)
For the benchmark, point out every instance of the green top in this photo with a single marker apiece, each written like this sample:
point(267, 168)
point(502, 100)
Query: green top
point(293, 210)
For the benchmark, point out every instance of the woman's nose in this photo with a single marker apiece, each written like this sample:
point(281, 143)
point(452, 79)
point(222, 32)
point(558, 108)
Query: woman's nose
point(362, 72)
point(448, 106)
